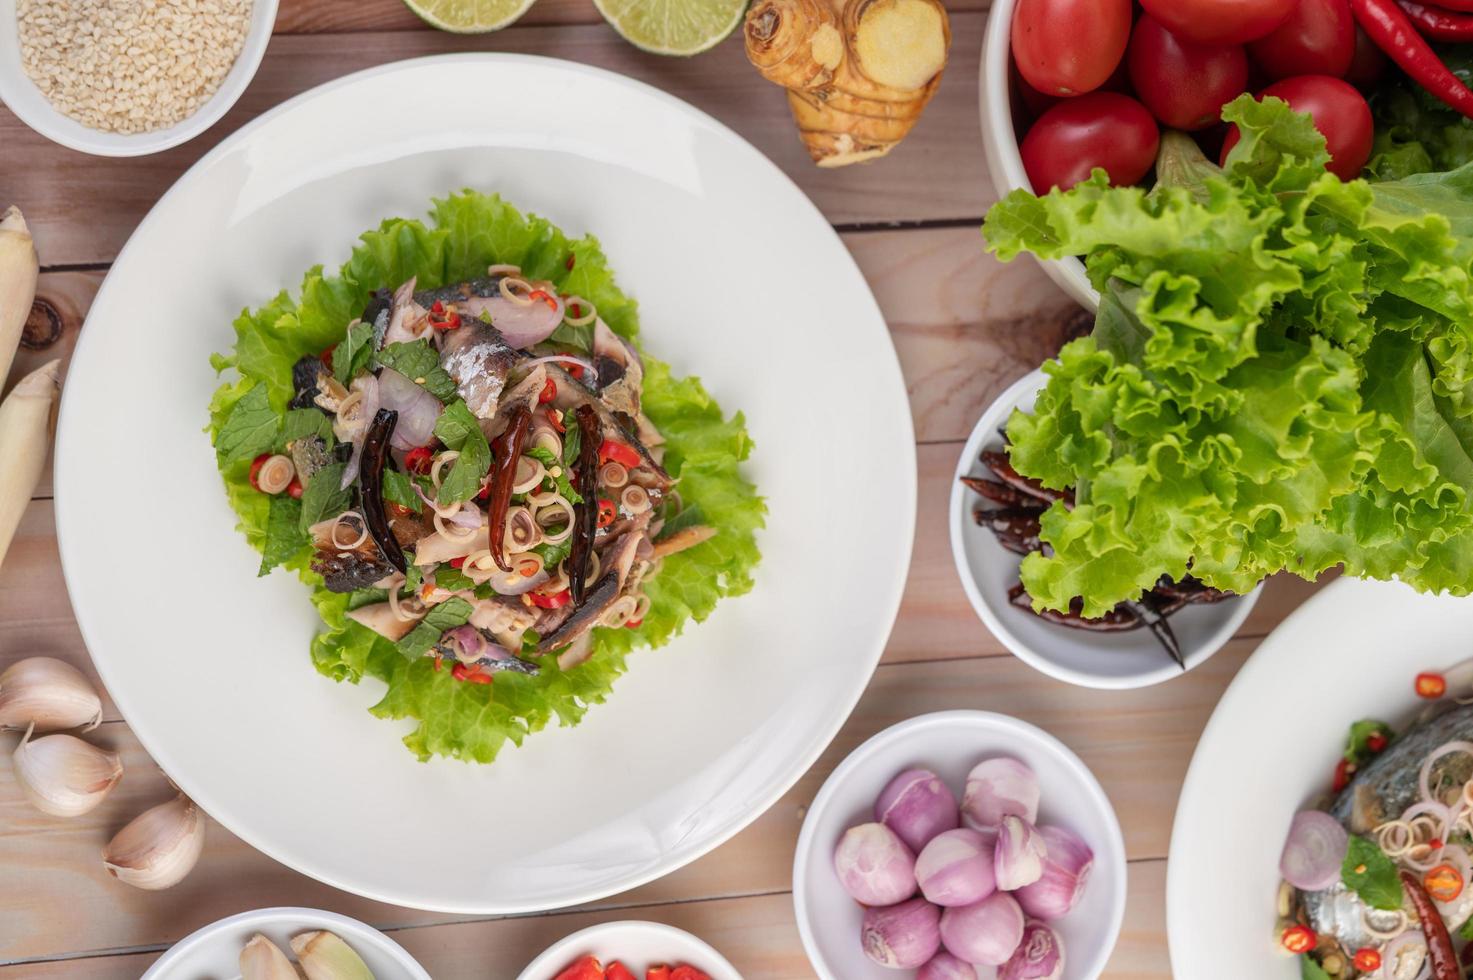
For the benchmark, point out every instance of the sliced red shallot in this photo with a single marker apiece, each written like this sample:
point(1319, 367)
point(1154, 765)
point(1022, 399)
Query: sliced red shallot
point(1314, 851)
point(418, 409)
point(522, 324)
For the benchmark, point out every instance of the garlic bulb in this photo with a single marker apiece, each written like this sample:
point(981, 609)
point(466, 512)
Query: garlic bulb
point(324, 956)
point(48, 694)
point(261, 959)
point(63, 775)
point(159, 847)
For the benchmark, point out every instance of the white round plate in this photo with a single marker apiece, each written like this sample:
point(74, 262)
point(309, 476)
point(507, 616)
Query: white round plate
point(1350, 652)
point(950, 743)
point(740, 281)
point(1102, 660)
point(638, 945)
point(214, 951)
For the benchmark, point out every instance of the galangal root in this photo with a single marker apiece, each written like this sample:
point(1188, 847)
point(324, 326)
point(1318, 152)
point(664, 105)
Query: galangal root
point(858, 72)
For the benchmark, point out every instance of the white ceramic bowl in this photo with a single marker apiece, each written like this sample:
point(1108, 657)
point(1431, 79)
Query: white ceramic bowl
point(22, 97)
point(638, 945)
point(214, 951)
point(1004, 162)
point(950, 743)
point(1104, 660)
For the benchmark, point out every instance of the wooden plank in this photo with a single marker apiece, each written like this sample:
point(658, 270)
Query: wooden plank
point(1138, 743)
point(335, 16)
point(82, 208)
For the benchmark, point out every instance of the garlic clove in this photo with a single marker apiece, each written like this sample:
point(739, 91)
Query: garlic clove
point(48, 694)
point(324, 956)
point(261, 959)
point(63, 775)
point(159, 847)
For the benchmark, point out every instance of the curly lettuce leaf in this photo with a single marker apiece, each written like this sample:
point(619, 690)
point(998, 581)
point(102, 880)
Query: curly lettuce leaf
point(1278, 378)
point(705, 448)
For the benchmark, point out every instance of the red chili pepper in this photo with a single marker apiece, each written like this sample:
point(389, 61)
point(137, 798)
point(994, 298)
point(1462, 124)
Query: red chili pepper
point(555, 601)
point(485, 493)
point(556, 418)
point(1376, 742)
point(397, 510)
point(458, 562)
point(326, 357)
point(294, 489)
point(684, 972)
point(437, 665)
point(1344, 769)
point(1299, 939)
point(588, 968)
point(1367, 960)
point(618, 971)
point(661, 972)
point(545, 296)
point(548, 392)
point(1437, 23)
point(607, 512)
point(1444, 883)
point(576, 370)
point(618, 452)
point(572, 259)
point(471, 675)
point(419, 459)
point(1431, 685)
point(576, 309)
point(1393, 32)
point(256, 465)
point(633, 624)
point(1440, 950)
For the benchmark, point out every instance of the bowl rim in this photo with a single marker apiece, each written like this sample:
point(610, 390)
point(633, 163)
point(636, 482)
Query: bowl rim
point(319, 918)
point(540, 968)
point(1112, 849)
point(994, 415)
point(1000, 138)
point(32, 107)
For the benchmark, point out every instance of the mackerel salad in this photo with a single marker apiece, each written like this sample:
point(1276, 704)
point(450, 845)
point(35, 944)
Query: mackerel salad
point(495, 495)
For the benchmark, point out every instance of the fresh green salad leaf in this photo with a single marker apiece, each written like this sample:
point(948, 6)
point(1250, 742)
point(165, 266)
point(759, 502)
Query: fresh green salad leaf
point(458, 429)
point(352, 354)
point(418, 362)
point(249, 430)
point(399, 489)
point(1311, 970)
point(449, 614)
point(1357, 743)
point(322, 498)
point(553, 554)
point(284, 535)
point(545, 456)
point(1465, 931)
point(1415, 132)
point(1280, 376)
point(1369, 873)
point(705, 449)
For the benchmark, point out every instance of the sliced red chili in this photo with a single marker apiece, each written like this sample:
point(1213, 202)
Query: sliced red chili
point(1344, 770)
point(1444, 883)
point(1299, 939)
point(256, 465)
point(1431, 685)
point(437, 665)
point(576, 370)
point(470, 674)
point(1376, 742)
point(326, 356)
point(545, 296)
point(607, 512)
point(419, 460)
point(397, 510)
point(572, 260)
point(576, 310)
point(295, 489)
point(458, 562)
point(556, 418)
point(615, 451)
point(587, 968)
point(555, 601)
point(618, 971)
point(1367, 960)
point(633, 624)
point(687, 972)
point(661, 972)
point(548, 392)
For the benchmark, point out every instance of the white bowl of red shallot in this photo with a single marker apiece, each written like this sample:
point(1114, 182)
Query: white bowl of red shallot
point(960, 845)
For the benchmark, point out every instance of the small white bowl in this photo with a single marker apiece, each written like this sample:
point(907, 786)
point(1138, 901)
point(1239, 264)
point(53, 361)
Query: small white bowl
point(22, 97)
point(638, 945)
point(214, 951)
point(1102, 660)
point(950, 743)
point(1004, 162)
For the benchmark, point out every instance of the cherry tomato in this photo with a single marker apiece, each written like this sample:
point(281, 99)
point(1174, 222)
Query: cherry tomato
point(1101, 129)
point(1182, 82)
point(1367, 960)
point(1299, 939)
point(1317, 39)
point(1220, 21)
point(1028, 102)
point(1069, 47)
point(1339, 112)
point(1431, 686)
point(1368, 63)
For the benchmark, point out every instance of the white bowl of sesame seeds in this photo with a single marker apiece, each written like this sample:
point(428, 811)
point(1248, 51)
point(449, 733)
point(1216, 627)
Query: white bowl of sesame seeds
point(122, 78)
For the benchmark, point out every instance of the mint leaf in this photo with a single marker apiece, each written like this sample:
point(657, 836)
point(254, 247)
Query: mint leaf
point(1369, 873)
point(351, 356)
point(249, 429)
point(453, 579)
point(449, 614)
point(458, 429)
point(1311, 970)
point(284, 537)
point(572, 444)
point(564, 485)
point(399, 489)
point(305, 423)
point(419, 362)
point(553, 554)
point(321, 498)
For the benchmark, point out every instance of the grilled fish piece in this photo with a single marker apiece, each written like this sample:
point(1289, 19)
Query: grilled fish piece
point(461, 293)
point(305, 374)
point(617, 561)
point(347, 569)
point(571, 393)
point(308, 456)
point(478, 358)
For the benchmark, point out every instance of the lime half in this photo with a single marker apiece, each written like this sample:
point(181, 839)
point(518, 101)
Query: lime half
point(468, 16)
point(682, 27)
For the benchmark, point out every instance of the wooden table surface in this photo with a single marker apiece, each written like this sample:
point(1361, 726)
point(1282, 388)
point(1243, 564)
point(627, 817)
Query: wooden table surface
point(964, 325)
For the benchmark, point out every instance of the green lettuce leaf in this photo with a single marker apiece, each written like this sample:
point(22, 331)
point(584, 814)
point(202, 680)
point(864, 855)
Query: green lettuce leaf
point(1279, 377)
point(705, 448)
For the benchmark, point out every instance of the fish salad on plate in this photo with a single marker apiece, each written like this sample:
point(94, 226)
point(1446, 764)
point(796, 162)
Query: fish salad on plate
point(1376, 883)
point(494, 493)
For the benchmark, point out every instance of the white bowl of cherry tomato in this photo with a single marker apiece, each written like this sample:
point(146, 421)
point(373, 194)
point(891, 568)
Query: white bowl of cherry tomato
point(630, 950)
point(1071, 85)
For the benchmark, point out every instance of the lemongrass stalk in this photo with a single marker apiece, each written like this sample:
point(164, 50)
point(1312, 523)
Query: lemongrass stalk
point(25, 434)
point(19, 268)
